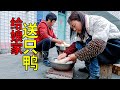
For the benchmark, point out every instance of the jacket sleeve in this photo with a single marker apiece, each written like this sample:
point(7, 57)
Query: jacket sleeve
point(101, 29)
point(42, 30)
point(99, 40)
point(54, 36)
point(71, 49)
point(92, 49)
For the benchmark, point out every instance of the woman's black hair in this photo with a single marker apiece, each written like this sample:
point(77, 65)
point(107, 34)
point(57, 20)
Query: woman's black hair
point(51, 16)
point(79, 17)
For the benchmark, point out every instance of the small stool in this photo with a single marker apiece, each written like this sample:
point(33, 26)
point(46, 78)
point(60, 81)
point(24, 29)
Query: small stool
point(105, 71)
point(39, 55)
point(116, 69)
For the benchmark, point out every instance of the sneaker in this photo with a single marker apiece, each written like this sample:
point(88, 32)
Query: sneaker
point(46, 63)
point(85, 70)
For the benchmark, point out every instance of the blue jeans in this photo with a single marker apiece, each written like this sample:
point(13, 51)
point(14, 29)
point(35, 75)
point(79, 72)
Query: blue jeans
point(92, 66)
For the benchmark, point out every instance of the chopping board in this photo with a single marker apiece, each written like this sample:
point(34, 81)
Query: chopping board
point(54, 74)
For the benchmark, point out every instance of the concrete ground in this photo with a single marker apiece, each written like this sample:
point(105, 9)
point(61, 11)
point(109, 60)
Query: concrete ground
point(11, 68)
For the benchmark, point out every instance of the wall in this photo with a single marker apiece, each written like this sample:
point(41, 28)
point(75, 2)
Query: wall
point(67, 31)
point(56, 23)
point(67, 28)
point(5, 17)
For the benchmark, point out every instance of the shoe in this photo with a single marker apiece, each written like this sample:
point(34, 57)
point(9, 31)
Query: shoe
point(85, 70)
point(46, 63)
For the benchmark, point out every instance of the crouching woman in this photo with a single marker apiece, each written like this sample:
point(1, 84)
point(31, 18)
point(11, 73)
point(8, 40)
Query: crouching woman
point(98, 41)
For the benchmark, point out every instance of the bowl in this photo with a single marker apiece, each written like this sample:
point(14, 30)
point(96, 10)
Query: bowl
point(61, 47)
point(61, 67)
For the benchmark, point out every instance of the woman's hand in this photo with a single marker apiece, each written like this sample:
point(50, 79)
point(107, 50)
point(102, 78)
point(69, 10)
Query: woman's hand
point(57, 41)
point(63, 61)
point(61, 56)
point(60, 41)
point(72, 57)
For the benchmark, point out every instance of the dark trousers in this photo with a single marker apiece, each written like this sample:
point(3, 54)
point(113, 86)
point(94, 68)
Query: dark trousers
point(44, 46)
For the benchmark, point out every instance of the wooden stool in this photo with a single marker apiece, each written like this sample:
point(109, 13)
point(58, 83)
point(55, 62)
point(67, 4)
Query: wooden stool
point(116, 69)
point(105, 71)
point(39, 55)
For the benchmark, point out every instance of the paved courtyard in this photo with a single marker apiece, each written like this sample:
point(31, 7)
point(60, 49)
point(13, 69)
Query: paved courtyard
point(11, 68)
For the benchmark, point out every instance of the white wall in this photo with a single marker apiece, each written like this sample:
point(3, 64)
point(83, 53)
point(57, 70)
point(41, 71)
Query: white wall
point(55, 27)
point(31, 16)
point(67, 28)
point(5, 17)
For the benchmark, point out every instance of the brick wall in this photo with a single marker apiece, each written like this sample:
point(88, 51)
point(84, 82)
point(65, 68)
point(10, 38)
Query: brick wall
point(55, 27)
point(5, 17)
